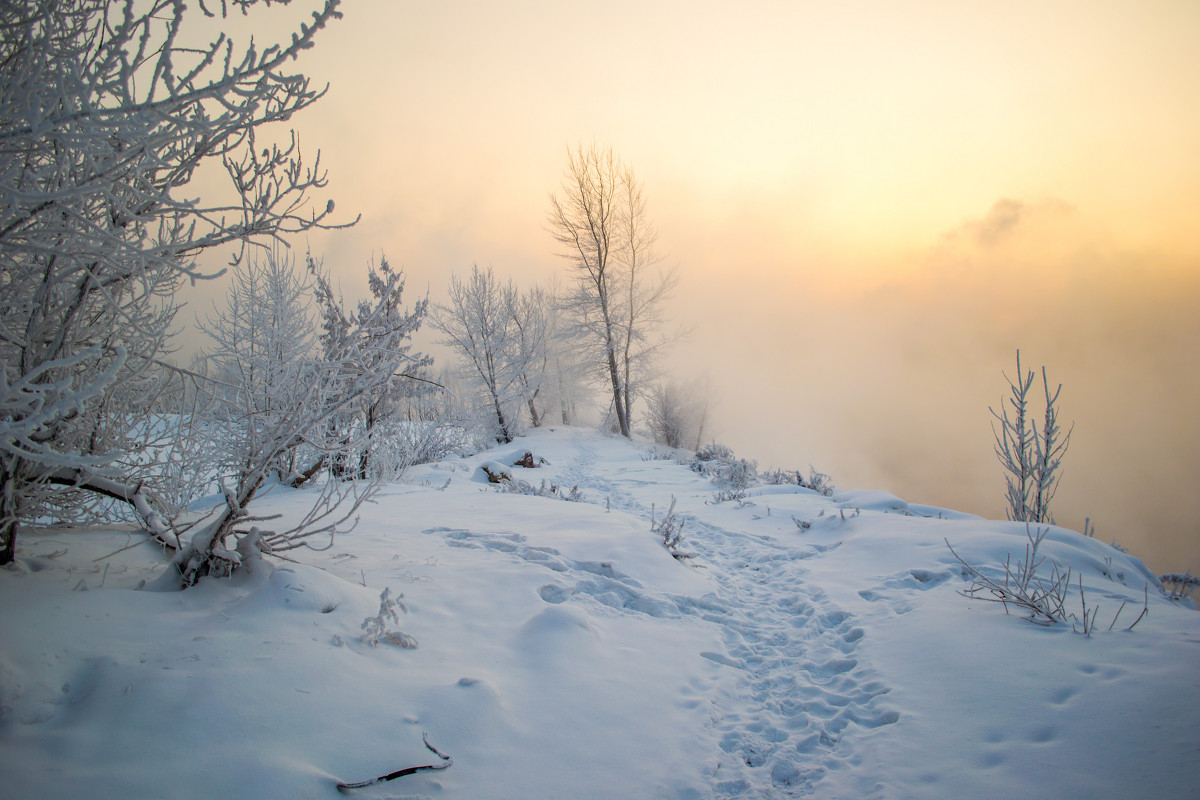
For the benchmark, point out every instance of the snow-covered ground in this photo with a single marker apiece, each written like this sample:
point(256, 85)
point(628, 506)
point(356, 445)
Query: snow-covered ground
point(563, 653)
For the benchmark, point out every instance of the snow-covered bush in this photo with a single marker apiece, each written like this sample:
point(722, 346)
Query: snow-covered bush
point(375, 337)
point(718, 463)
point(670, 530)
point(819, 482)
point(1042, 599)
point(1180, 586)
point(376, 628)
point(544, 489)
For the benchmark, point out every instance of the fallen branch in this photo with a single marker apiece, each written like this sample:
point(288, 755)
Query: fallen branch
point(400, 773)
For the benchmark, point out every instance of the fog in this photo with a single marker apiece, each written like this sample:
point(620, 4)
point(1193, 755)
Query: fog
point(870, 207)
point(887, 382)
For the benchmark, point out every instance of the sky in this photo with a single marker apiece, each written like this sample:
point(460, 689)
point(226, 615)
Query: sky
point(871, 207)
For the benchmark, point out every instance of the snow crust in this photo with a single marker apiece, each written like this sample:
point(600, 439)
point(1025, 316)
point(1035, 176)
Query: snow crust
point(564, 653)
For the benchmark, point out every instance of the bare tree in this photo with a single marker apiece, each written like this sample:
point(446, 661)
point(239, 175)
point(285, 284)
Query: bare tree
point(528, 347)
point(107, 112)
point(677, 414)
point(478, 324)
point(1031, 457)
point(599, 219)
point(566, 374)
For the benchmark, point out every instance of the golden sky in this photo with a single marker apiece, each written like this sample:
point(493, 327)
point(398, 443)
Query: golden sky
point(871, 206)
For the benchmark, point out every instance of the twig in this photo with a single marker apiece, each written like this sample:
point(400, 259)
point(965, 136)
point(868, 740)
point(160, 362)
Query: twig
point(1145, 607)
point(122, 550)
point(400, 773)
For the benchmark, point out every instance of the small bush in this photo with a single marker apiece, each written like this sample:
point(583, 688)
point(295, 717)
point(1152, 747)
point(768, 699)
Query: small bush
point(545, 489)
point(670, 530)
point(718, 463)
point(1043, 600)
point(819, 482)
point(375, 628)
point(1179, 586)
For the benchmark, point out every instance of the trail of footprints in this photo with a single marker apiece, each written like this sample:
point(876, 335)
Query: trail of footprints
point(802, 687)
point(799, 689)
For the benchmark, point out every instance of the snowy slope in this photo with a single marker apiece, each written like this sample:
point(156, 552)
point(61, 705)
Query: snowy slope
point(563, 653)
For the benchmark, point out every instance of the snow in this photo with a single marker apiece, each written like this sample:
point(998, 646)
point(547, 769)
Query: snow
point(564, 653)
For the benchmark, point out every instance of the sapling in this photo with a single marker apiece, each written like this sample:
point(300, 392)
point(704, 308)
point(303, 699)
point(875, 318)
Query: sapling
point(1031, 456)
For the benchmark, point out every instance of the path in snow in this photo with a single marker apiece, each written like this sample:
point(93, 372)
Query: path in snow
point(790, 691)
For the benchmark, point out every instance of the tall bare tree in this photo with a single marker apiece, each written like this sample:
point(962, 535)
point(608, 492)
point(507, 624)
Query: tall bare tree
point(107, 112)
point(599, 220)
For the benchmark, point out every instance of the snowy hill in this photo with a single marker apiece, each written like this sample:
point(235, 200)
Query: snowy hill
point(811, 646)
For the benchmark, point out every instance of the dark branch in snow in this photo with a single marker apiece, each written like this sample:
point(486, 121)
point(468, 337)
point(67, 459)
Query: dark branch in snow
point(400, 773)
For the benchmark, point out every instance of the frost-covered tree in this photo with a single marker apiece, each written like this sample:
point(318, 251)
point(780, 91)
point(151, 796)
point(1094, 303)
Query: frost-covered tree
point(261, 358)
point(1030, 455)
point(376, 333)
point(479, 323)
point(108, 110)
point(599, 219)
point(272, 398)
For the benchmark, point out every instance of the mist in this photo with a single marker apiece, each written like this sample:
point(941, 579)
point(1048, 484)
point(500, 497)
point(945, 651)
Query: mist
point(885, 380)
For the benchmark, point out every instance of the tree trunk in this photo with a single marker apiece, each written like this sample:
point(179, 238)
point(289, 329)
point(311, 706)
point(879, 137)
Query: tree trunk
point(505, 437)
point(8, 540)
point(9, 493)
point(535, 419)
point(618, 399)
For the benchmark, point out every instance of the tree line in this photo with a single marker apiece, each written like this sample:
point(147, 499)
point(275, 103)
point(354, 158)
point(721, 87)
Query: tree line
point(108, 112)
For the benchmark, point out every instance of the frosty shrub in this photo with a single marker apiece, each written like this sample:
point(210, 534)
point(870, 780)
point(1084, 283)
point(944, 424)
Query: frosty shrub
point(718, 463)
point(375, 628)
point(372, 338)
point(819, 482)
point(1030, 455)
point(269, 401)
point(513, 485)
point(670, 530)
point(1042, 599)
point(1180, 586)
